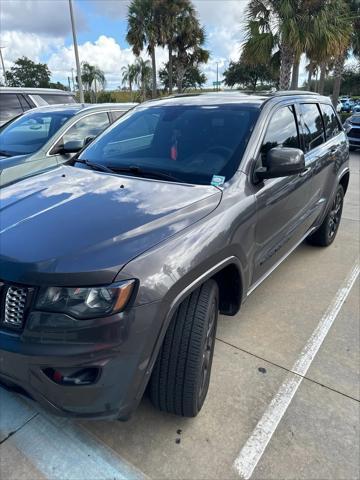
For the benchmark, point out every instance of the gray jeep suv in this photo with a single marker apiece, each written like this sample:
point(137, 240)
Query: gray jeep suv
point(114, 267)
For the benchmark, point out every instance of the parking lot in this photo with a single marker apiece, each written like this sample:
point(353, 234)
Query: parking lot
point(283, 401)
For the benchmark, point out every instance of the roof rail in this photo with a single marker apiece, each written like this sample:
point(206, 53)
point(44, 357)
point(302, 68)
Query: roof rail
point(280, 93)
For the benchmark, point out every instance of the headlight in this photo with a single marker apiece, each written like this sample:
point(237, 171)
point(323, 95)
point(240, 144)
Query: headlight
point(85, 303)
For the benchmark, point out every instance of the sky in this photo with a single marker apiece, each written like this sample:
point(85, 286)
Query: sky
point(41, 30)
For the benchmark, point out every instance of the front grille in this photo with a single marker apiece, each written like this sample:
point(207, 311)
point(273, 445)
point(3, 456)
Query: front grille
point(354, 133)
point(15, 305)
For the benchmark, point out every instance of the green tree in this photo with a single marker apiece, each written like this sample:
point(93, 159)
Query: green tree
point(92, 77)
point(293, 27)
point(193, 77)
point(129, 73)
point(143, 76)
point(170, 14)
point(26, 73)
point(143, 31)
point(188, 45)
point(350, 13)
point(240, 73)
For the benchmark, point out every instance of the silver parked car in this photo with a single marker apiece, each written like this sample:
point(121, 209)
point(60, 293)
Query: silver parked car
point(47, 136)
point(16, 100)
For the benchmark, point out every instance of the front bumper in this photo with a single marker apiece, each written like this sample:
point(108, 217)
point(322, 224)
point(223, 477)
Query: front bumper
point(354, 136)
point(119, 346)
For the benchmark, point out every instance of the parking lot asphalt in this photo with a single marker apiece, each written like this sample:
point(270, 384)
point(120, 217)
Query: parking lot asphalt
point(283, 401)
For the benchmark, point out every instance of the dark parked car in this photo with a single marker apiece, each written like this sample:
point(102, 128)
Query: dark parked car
point(47, 136)
point(115, 266)
point(352, 129)
point(16, 100)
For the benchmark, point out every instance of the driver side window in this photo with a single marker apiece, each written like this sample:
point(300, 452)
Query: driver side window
point(282, 131)
point(89, 126)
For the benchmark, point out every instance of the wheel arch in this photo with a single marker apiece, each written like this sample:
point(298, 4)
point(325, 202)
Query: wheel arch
point(344, 180)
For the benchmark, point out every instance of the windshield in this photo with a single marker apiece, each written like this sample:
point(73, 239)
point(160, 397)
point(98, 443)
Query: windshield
point(189, 143)
point(30, 132)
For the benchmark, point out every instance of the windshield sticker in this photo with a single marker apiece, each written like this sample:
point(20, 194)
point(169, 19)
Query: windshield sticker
point(217, 180)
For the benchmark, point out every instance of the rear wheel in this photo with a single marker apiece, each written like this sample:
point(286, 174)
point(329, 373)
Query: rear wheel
point(181, 375)
point(327, 231)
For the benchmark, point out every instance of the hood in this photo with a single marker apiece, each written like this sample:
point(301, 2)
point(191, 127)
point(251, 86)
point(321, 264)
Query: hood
point(355, 119)
point(73, 226)
point(6, 162)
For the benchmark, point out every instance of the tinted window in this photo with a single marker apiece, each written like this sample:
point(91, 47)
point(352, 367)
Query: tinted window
point(24, 102)
point(189, 142)
point(115, 114)
point(53, 98)
point(281, 132)
point(9, 106)
point(30, 132)
point(89, 126)
point(313, 126)
point(332, 127)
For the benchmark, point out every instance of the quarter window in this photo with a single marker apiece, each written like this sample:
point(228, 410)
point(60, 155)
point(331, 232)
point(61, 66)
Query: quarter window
point(313, 129)
point(10, 107)
point(331, 122)
point(281, 132)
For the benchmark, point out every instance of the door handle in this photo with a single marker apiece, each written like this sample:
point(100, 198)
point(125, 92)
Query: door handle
point(305, 172)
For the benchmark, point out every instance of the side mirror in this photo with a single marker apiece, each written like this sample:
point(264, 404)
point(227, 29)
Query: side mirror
point(88, 140)
point(282, 162)
point(73, 146)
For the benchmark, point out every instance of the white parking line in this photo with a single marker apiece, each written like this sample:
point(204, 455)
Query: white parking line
point(256, 444)
point(60, 449)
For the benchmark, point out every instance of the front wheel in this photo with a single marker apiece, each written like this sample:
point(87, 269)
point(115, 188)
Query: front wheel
point(327, 231)
point(181, 375)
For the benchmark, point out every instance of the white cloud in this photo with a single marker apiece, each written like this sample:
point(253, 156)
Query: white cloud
point(18, 44)
point(105, 52)
point(49, 18)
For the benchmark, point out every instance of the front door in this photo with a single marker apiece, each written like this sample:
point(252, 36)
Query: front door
point(283, 204)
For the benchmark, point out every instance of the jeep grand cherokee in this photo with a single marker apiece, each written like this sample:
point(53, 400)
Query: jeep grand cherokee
point(115, 266)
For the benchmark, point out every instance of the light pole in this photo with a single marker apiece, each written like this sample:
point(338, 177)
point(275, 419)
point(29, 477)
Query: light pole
point(3, 65)
point(217, 76)
point(78, 70)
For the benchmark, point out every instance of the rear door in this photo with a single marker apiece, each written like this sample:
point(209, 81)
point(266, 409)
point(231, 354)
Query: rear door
point(319, 155)
point(283, 206)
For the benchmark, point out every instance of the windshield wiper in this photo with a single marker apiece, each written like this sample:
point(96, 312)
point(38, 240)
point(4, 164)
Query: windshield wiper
point(145, 173)
point(95, 166)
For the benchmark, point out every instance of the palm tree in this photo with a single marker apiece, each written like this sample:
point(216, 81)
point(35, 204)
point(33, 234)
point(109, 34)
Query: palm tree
point(91, 74)
point(274, 24)
point(349, 12)
point(188, 44)
point(143, 74)
point(143, 16)
point(329, 30)
point(170, 14)
point(129, 73)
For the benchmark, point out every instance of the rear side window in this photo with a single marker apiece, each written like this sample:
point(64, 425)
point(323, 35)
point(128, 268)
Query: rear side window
point(313, 129)
point(54, 99)
point(331, 122)
point(10, 106)
point(281, 132)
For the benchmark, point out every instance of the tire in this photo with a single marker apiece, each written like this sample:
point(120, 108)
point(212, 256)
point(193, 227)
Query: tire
point(181, 375)
point(327, 231)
